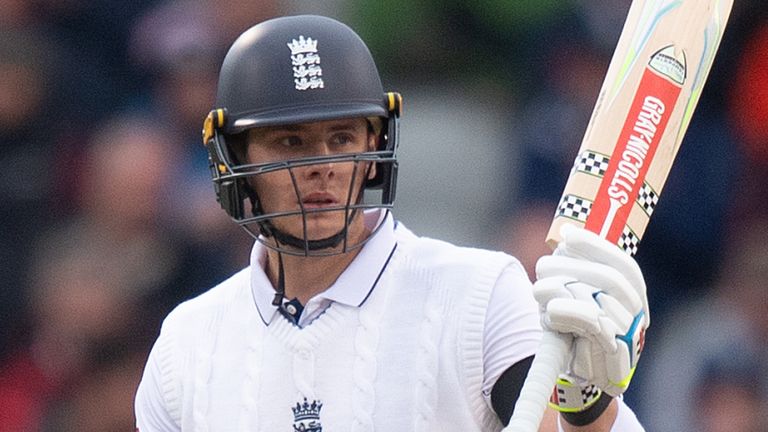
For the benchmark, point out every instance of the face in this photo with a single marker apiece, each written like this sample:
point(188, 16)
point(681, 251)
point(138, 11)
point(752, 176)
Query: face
point(317, 188)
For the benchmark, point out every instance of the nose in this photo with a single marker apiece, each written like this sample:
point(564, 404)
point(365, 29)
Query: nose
point(324, 169)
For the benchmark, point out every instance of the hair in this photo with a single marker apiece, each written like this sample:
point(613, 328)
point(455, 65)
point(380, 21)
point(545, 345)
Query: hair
point(238, 147)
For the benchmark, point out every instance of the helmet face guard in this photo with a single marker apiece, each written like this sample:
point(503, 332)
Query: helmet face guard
point(294, 70)
point(231, 184)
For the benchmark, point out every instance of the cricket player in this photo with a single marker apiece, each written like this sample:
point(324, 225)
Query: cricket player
point(347, 321)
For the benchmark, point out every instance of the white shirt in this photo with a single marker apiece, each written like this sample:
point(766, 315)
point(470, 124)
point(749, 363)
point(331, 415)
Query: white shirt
point(356, 282)
point(511, 315)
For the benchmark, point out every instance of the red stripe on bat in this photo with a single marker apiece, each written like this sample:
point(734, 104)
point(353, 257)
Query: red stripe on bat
point(644, 126)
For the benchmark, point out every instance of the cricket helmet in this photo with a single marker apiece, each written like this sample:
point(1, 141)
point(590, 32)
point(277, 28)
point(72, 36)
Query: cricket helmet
point(291, 70)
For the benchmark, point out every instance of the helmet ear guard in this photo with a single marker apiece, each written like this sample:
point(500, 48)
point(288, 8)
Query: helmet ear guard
point(229, 192)
point(395, 103)
point(386, 172)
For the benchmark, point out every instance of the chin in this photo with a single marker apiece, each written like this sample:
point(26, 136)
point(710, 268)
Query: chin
point(320, 225)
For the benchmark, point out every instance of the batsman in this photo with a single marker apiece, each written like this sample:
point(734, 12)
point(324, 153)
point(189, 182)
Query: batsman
point(347, 321)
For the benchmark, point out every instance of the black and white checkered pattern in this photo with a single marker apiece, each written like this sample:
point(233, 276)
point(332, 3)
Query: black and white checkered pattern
point(628, 241)
point(591, 163)
point(589, 394)
point(574, 207)
point(571, 397)
point(647, 198)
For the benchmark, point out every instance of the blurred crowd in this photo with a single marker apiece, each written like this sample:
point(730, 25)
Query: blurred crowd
point(108, 218)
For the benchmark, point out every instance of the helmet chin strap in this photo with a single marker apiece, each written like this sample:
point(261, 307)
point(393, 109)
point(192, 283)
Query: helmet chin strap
point(280, 289)
point(326, 243)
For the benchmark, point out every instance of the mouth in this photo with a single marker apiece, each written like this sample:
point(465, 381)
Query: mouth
point(319, 200)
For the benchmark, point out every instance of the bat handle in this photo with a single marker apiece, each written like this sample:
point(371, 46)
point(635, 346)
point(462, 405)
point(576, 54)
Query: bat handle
point(534, 396)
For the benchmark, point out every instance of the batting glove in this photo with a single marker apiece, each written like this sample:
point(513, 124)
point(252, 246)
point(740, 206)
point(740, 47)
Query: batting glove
point(592, 290)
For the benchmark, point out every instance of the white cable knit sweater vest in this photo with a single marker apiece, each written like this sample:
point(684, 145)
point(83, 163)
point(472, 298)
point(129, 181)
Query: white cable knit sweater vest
point(408, 359)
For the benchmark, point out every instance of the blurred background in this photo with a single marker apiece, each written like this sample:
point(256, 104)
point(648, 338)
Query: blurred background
point(108, 217)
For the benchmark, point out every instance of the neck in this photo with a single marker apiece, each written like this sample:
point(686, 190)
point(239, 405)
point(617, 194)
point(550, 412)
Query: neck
point(305, 277)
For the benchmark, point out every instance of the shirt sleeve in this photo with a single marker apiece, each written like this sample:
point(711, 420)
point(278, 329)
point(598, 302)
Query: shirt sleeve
point(151, 408)
point(512, 327)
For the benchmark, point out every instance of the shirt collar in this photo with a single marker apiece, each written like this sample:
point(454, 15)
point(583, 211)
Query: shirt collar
point(352, 287)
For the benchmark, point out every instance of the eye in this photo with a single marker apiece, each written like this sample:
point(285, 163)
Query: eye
point(342, 139)
point(290, 141)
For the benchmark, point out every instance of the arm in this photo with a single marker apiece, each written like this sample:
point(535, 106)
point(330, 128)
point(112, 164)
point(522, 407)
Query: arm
point(615, 415)
point(511, 337)
point(603, 423)
point(592, 291)
point(617, 418)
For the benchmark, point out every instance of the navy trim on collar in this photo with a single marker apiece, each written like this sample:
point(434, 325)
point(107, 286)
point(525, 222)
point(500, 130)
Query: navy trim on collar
point(376, 282)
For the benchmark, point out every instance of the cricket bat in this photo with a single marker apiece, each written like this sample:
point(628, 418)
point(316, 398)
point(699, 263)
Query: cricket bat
point(652, 86)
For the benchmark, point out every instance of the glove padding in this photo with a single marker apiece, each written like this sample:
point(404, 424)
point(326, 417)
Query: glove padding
point(591, 289)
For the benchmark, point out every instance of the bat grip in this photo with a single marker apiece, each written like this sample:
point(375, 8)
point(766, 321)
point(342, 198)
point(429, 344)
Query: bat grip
point(534, 396)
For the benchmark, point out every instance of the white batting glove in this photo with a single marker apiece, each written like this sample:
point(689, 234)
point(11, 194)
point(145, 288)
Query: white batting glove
point(591, 289)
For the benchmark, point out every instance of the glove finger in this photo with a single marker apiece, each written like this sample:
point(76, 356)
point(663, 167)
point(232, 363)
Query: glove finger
point(573, 316)
point(600, 276)
point(580, 243)
point(581, 315)
point(584, 244)
point(618, 370)
point(582, 291)
point(554, 287)
point(630, 328)
point(544, 290)
point(616, 311)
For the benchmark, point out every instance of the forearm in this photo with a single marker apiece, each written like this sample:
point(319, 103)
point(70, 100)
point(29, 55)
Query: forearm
point(617, 417)
point(603, 423)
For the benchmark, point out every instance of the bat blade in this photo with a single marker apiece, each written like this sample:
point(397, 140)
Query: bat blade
point(644, 107)
point(654, 81)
